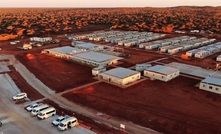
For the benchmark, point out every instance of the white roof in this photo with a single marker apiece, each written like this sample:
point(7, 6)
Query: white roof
point(202, 51)
point(87, 45)
point(120, 72)
point(162, 69)
point(96, 57)
point(66, 50)
point(213, 81)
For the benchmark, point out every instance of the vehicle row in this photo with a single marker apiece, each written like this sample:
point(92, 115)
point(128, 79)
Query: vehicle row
point(44, 111)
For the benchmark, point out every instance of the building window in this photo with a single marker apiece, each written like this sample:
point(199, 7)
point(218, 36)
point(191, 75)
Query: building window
point(217, 89)
point(162, 77)
point(210, 87)
point(203, 85)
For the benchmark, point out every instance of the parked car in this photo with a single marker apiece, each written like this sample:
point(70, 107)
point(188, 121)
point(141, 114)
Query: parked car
point(19, 96)
point(67, 123)
point(32, 106)
point(58, 120)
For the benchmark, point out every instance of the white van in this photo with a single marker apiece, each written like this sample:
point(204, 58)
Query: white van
point(67, 123)
point(46, 113)
point(36, 110)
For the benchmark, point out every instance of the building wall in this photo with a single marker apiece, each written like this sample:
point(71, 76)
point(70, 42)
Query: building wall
point(218, 59)
point(97, 72)
point(161, 77)
point(131, 79)
point(141, 68)
point(210, 88)
point(119, 81)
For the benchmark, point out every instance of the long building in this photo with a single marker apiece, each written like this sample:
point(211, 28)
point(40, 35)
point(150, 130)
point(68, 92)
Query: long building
point(120, 76)
point(82, 56)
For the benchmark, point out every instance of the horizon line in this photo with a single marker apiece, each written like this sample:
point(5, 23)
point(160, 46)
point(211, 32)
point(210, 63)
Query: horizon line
point(116, 7)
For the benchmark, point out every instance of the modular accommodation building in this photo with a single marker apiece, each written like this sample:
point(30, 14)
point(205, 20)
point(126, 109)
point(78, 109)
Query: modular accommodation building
point(175, 50)
point(95, 59)
point(152, 46)
point(121, 43)
point(211, 84)
point(65, 52)
point(82, 56)
point(192, 52)
point(96, 71)
point(130, 43)
point(120, 76)
point(89, 46)
point(212, 50)
point(163, 73)
point(39, 39)
point(218, 58)
point(165, 48)
point(142, 45)
point(142, 67)
point(201, 54)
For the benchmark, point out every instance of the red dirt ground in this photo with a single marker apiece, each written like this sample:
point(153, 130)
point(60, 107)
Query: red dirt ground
point(89, 123)
point(23, 85)
point(57, 74)
point(173, 107)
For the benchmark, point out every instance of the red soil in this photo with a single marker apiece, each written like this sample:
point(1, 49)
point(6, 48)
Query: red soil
point(173, 107)
point(23, 85)
point(57, 74)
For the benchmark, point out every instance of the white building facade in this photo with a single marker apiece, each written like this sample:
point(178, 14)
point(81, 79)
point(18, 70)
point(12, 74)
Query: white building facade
point(211, 84)
point(218, 58)
point(163, 73)
point(120, 76)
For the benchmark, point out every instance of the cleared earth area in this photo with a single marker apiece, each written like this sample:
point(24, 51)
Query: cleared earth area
point(57, 74)
point(173, 107)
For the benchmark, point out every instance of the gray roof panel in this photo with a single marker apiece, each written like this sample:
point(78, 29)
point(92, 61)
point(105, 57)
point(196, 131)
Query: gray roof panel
point(121, 72)
point(213, 81)
point(162, 69)
point(96, 57)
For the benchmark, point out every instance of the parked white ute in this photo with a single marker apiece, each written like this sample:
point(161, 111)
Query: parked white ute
point(32, 106)
point(58, 120)
point(19, 96)
point(67, 123)
point(46, 113)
